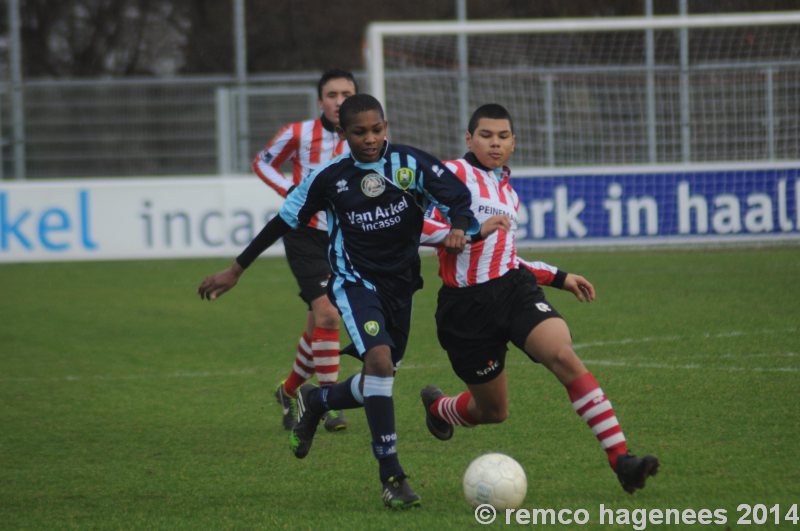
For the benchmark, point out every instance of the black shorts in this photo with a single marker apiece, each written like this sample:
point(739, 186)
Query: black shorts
point(307, 253)
point(475, 324)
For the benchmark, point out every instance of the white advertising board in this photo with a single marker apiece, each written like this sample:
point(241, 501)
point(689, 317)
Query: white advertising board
point(132, 218)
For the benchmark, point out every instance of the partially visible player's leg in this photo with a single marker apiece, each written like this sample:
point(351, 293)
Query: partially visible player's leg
point(302, 370)
point(306, 251)
point(325, 349)
point(469, 324)
point(538, 329)
point(313, 403)
point(482, 403)
point(489, 401)
point(550, 344)
point(379, 407)
point(325, 340)
point(369, 327)
point(358, 308)
point(303, 367)
point(383, 330)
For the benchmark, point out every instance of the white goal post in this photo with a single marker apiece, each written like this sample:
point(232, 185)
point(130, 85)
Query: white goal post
point(681, 76)
point(631, 130)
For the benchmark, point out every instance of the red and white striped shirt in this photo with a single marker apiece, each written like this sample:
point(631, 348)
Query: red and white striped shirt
point(307, 145)
point(495, 255)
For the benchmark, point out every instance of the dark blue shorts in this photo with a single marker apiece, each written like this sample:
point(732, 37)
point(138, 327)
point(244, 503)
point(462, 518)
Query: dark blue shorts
point(373, 318)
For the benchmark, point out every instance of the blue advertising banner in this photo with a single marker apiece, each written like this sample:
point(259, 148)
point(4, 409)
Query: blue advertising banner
point(715, 205)
point(217, 216)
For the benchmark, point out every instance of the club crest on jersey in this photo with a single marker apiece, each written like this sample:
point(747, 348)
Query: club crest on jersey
point(404, 177)
point(373, 184)
point(372, 328)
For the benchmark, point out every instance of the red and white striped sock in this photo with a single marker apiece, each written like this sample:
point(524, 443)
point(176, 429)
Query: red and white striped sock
point(591, 403)
point(325, 347)
point(303, 367)
point(453, 410)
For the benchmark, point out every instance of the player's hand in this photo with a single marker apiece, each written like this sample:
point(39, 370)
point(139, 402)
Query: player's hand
point(580, 287)
point(494, 223)
point(215, 285)
point(455, 241)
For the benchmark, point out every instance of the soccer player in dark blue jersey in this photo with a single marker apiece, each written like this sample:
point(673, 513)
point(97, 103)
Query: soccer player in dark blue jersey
point(375, 198)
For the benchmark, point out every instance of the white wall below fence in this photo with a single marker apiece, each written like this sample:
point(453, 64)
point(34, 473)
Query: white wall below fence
point(132, 218)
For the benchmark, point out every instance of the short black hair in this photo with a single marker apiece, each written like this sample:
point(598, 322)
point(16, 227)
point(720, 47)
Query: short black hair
point(334, 73)
point(356, 104)
point(493, 111)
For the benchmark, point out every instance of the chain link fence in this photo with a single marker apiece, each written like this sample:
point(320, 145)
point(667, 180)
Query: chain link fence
point(150, 127)
point(189, 125)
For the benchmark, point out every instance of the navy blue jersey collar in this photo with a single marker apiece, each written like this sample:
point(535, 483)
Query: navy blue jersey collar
point(377, 165)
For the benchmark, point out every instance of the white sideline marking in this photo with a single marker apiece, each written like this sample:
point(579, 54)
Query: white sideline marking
point(666, 339)
point(690, 366)
point(578, 346)
point(634, 365)
point(151, 376)
point(759, 355)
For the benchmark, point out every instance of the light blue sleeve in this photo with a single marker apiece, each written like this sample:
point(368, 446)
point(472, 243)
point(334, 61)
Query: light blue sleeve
point(295, 210)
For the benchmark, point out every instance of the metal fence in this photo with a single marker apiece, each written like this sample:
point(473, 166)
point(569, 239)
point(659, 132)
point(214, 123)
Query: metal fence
point(617, 91)
point(598, 116)
point(186, 126)
point(143, 127)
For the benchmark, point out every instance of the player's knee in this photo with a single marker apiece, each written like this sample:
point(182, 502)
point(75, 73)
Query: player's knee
point(378, 361)
point(327, 319)
point(325, 314)
point(565, 363)
point(560, 357)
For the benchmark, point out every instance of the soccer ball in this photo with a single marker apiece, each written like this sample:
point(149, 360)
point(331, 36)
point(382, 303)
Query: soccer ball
point(495, 479)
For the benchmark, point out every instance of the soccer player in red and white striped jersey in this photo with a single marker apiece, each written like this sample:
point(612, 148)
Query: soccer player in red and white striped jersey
point(490, 297)
point(306, 146)
point(484, 259)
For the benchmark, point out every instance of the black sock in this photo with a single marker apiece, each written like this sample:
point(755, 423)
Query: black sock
point(337, 396)
point(380, 416)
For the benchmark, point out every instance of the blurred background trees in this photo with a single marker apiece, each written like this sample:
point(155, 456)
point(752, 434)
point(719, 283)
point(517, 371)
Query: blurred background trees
point(72, 38)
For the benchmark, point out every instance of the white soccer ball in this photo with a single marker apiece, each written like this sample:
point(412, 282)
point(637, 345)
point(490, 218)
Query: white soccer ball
point(496, 479)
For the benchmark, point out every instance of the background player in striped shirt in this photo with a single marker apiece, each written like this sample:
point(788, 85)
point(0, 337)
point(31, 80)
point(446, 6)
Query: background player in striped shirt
point(375, 198)
point(490, 297)
point(308, 145)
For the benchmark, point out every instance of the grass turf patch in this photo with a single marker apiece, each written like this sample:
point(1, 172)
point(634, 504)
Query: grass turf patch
point(127, 402)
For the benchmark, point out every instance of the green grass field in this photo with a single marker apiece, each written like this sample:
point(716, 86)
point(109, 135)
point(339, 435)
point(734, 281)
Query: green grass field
point(126, 402)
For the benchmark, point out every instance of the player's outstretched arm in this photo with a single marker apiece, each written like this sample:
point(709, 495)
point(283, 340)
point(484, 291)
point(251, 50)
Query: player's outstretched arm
point(580, 287)
point(547, 275)
point(215, 285)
